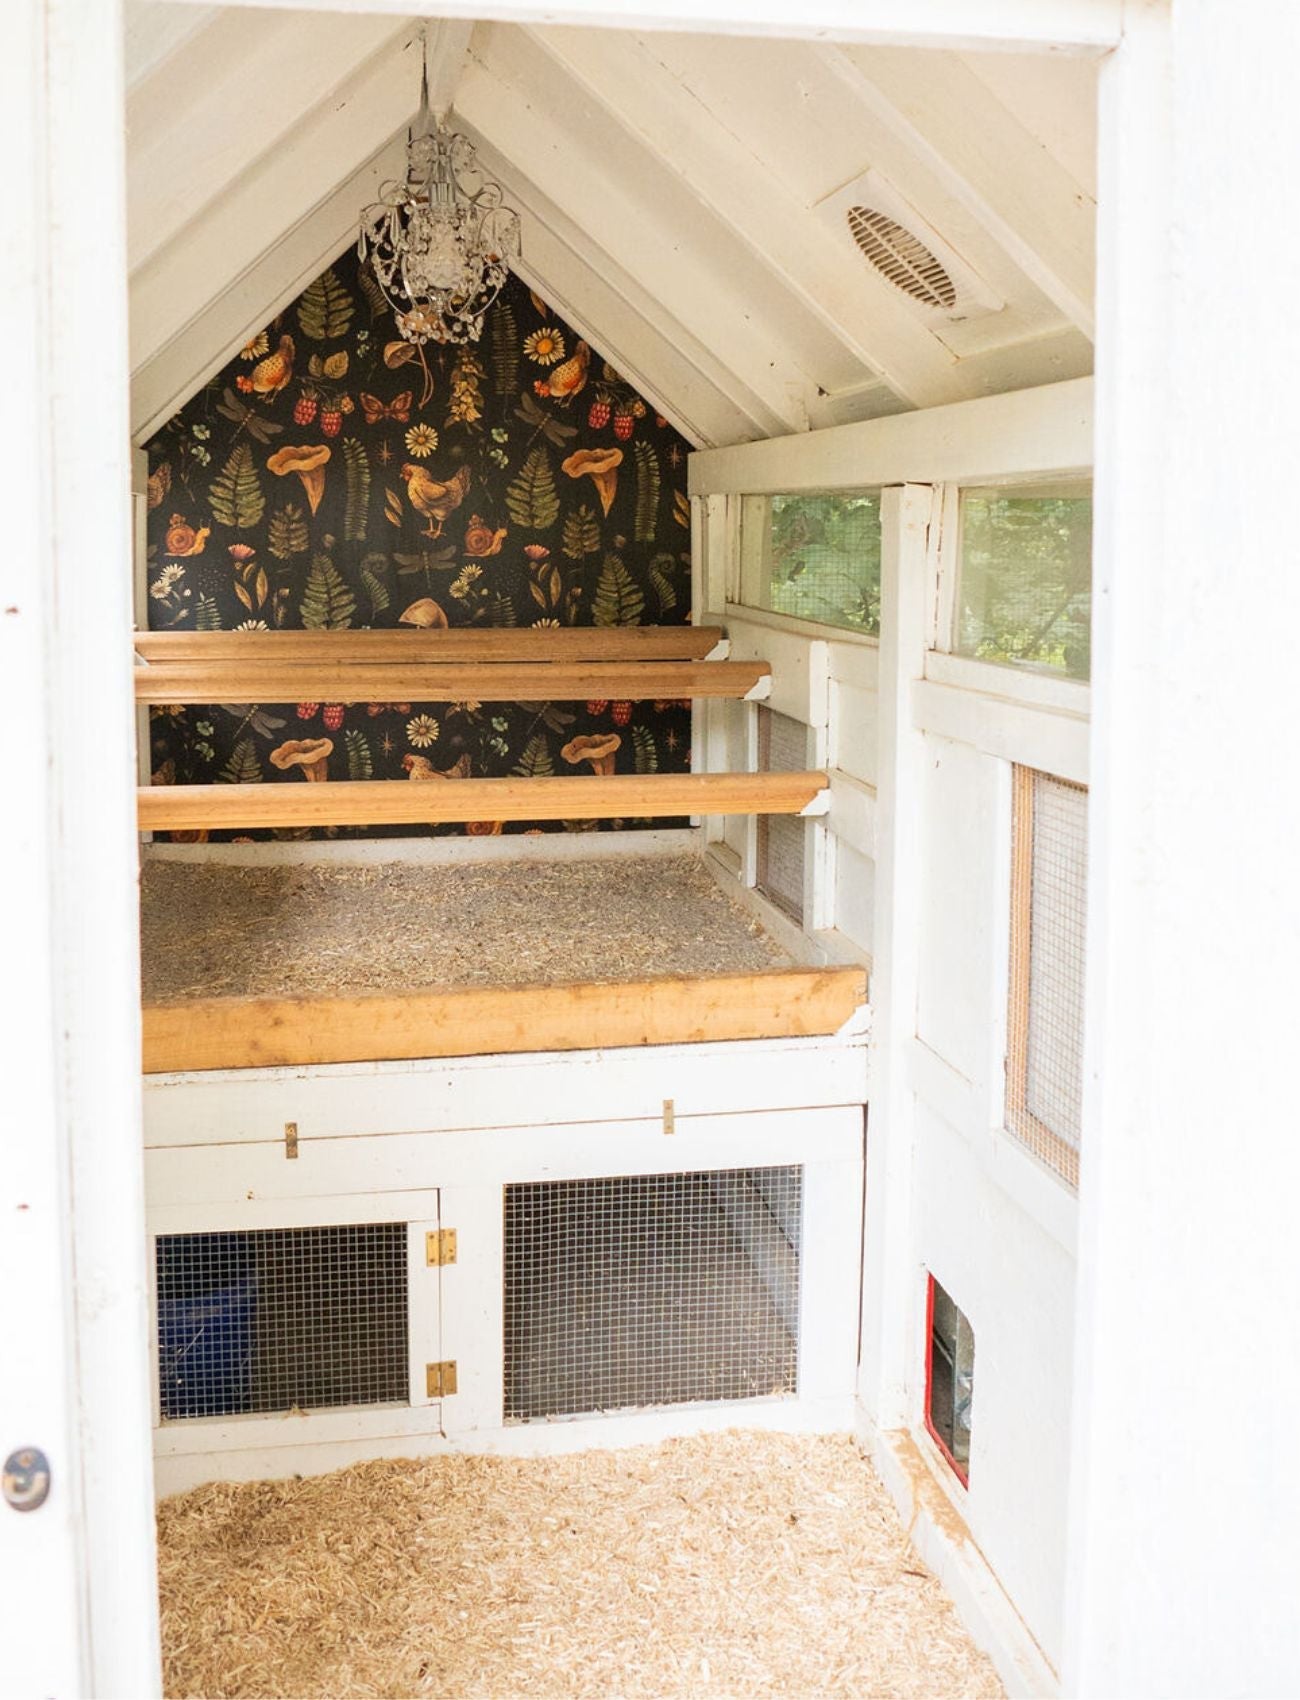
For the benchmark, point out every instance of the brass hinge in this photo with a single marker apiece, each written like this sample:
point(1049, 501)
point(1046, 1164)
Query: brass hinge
point(440, 1247)
point(291, 1139)
point(440, 1379)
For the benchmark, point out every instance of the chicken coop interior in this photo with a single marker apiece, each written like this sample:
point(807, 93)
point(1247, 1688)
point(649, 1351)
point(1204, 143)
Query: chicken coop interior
point(613, 756)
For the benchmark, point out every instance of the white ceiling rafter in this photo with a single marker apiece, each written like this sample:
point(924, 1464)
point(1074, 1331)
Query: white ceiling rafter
point(184, 154)
point(638, 218)
point(172, 373)
point(447, 42)
point(951, 122)
point(826, 278)
point(684, 379)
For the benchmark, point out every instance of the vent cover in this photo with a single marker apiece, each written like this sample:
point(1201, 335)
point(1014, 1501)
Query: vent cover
point(902, 257)
point(904, 247)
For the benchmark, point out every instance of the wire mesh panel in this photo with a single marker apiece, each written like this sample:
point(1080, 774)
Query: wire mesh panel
point(781, 839)
point(813, 555)
point(282, 1318)
point(650, 1290)
point(1048, 916)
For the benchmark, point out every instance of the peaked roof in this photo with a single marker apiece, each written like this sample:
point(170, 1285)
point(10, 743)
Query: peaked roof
point(683, 197)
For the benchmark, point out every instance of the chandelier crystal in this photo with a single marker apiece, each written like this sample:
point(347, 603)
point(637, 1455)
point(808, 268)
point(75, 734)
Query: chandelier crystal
point(441, 241)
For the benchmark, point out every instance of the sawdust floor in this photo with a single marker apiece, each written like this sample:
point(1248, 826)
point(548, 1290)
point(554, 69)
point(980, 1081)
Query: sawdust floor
point(724, 1565)
point(209, 930)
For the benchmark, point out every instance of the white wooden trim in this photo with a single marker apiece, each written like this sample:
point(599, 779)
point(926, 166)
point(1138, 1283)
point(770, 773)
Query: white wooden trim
point(853, 811)
point(438, 852)
point(843, 636)
point(906, 517)
point(77, 1575)
point(530, 1089)
point(1088, 26)
point(521, 1440)
point(918, 1482)
point(43, 1555)
point(1023, 434)
point(1017, 684)
point(473, 1307)
point(207, 1438)
point(253, 1185)
point(1048, 739)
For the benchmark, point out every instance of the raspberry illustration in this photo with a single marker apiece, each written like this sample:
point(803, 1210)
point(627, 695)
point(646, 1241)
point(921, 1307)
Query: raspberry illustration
point(624, 424)
point(598, 707)
point(622, 712)
point(331, 421)
point(304, 409)
point(308, 710)
point(333, 716)
point(598, 414)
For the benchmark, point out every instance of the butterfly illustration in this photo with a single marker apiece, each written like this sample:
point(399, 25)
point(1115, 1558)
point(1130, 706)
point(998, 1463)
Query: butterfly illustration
point(377, 411)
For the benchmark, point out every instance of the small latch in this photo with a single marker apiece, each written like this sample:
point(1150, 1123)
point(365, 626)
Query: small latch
point(440, 1379)
point(291, 1139)
point(670, 1117)
point(440, 1247)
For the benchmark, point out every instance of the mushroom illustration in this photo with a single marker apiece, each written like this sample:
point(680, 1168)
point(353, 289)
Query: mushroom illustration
point(308, 461)
point(310, 754)
point(598, 749)
point(601, 466)
point(425, 612)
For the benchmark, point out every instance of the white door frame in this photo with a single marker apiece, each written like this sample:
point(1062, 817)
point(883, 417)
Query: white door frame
point(80, 1571)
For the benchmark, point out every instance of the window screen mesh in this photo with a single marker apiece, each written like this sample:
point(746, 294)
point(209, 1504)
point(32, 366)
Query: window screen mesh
point(1045, 1049)
point(281, 1319)
point(782, 748)
point(650, 1290)
point(814, 555)
point(1025, 586)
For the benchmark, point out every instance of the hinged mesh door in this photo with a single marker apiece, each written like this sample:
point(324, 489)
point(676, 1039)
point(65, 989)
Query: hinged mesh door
point(280, 1319)
point(651, 1290)
point(781, 839)
point(1045, 1015)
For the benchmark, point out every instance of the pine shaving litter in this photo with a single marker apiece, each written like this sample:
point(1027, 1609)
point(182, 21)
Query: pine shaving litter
point(733, 1564)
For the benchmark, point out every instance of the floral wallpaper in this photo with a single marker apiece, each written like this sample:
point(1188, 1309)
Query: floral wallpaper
point(335, 477)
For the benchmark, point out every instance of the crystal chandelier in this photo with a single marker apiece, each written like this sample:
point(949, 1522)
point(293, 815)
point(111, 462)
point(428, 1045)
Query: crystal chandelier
point(440, 242)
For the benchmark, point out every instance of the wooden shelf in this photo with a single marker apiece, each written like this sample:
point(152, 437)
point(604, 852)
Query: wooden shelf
point(258, 681)
point(479, 1021)
point(528, 643)
point(390, 802)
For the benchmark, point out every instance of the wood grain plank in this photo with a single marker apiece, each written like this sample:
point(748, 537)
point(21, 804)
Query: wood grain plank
point(390, 802)
point(481, 1021)
point(346, 681)
point(528, 643)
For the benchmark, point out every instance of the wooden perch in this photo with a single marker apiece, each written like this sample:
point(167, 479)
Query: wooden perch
point(392, 802)
point(494, 644)
point(350, 681)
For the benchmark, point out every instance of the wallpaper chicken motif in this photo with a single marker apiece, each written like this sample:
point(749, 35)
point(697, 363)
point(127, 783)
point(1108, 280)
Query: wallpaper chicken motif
point(334, 477)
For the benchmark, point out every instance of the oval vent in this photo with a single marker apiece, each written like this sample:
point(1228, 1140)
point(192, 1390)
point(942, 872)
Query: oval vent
point(902, 257)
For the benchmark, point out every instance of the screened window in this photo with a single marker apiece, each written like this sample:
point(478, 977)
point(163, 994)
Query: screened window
point(814, 556)
point(1024, 594)
point(1045, 1014)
